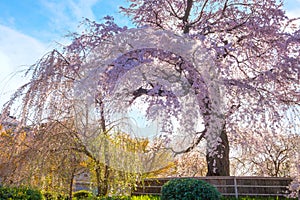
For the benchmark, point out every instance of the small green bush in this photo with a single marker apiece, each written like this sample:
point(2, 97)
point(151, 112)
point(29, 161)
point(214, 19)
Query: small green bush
point(145, 197)
point(19, 193)
point(54, 196)
point(189, 189)
point(49, 196)
point(114, 198)
point(82, 194)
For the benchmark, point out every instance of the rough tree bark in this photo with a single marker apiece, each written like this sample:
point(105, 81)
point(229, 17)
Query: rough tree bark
point(218, 165)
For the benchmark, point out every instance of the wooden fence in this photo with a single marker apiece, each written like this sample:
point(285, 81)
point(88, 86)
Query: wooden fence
point(232, 186)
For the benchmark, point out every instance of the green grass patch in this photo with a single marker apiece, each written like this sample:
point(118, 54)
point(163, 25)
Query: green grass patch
point(257, 198)
point(146, 197)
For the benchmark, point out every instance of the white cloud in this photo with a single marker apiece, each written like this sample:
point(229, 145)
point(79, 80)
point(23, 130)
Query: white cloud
point(83, 8)
point(293, 14)
point(17, 53)
point(66, 15)
point(293, 9)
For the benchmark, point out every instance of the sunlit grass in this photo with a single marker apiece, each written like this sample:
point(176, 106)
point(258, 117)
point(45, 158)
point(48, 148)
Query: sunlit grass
point(257, 198)
point(146, 197)
point(143, 197)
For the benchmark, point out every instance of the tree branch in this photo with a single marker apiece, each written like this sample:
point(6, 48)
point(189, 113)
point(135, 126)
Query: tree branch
point(185, 18)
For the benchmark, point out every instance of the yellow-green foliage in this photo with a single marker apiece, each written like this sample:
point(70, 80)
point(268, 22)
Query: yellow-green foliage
point(19, 193)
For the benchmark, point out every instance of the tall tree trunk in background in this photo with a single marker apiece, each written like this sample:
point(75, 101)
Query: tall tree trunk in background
point(98, 179)
point(71, 183)
point(105, 181)
point(218, 164)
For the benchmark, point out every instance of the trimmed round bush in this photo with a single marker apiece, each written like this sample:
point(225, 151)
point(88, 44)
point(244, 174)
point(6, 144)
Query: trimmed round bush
point(189, 189)
point(82, 194)
point(48, 195)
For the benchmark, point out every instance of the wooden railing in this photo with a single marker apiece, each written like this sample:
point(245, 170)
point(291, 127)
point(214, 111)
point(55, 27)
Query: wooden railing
point(233, 186)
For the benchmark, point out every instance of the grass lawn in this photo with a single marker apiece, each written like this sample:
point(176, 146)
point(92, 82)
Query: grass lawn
point(223, 198)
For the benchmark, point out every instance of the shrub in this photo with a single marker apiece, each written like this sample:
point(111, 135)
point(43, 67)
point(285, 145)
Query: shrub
point(145, 197)
point(189, 189)
point(114, 198)
point(19, 193)
point(82, 194)
point(54, 196)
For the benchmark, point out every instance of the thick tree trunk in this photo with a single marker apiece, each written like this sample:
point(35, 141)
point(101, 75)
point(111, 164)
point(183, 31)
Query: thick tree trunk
point(218, 164)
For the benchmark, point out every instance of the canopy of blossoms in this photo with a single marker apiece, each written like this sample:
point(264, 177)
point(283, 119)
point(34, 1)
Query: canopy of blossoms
point(169, 74)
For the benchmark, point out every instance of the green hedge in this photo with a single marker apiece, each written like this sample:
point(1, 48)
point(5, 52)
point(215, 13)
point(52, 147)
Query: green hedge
point(19, 193)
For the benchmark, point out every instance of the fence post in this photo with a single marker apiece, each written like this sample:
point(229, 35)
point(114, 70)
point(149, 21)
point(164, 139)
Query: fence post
point(235, 187)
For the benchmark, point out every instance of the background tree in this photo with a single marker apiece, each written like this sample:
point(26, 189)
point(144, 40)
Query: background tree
point(48, 100)
point(51, 154)
point(36, 157)
point(191, 164)
point(265, 154)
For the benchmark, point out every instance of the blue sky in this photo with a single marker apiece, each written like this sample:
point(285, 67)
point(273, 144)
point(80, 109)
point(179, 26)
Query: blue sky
point(30, 28)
